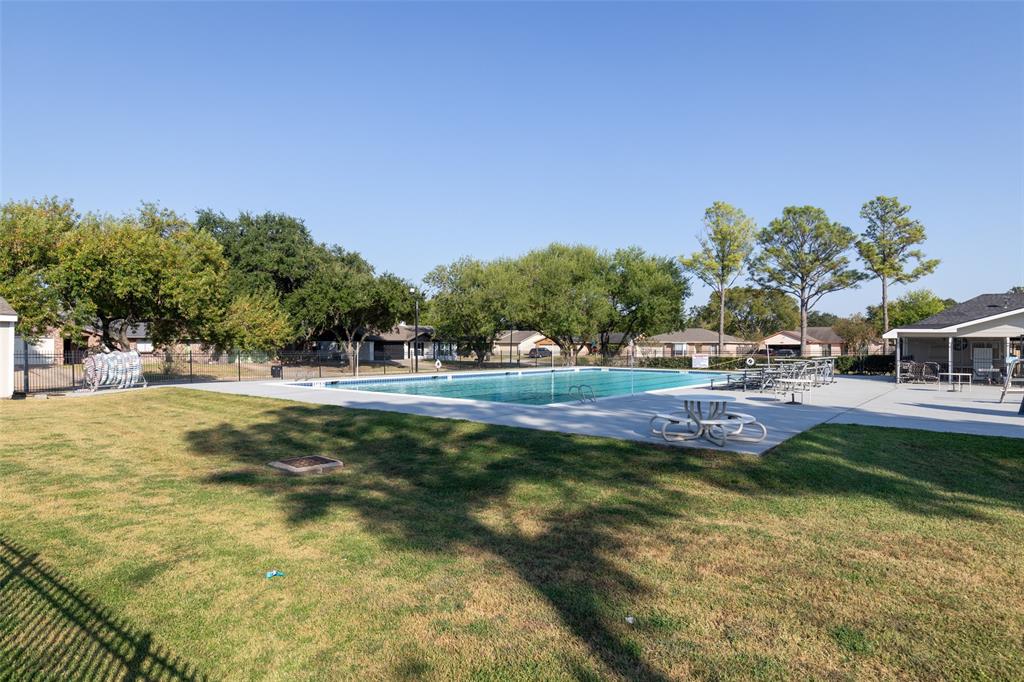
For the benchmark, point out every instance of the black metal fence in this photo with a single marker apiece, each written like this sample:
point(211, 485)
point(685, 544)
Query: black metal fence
point(60, 372)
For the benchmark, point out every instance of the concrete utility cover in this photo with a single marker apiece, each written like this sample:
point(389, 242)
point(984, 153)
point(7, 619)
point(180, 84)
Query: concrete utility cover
point(311, 464)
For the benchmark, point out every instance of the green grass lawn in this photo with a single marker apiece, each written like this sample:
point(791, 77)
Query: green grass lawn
point(136, 528)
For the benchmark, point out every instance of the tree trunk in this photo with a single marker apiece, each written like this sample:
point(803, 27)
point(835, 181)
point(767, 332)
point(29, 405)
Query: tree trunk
point(803, 327)
point(721, 320)
point(885, 309)
point(352, 353)
point(885, 305)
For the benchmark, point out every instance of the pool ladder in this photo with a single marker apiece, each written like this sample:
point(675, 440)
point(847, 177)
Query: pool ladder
point(582, 393)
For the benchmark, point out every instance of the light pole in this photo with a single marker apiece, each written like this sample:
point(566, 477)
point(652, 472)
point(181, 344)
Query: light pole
point(416, 337)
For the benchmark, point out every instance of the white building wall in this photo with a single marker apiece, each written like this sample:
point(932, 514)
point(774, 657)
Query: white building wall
point(7, 355)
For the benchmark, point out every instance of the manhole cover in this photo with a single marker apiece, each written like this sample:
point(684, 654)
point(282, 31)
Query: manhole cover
point(311, 464)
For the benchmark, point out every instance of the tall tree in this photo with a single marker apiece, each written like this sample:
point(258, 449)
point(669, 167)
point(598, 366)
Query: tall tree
point(726, 242)
point(30, 232)
point(751, 313)
point(647, 295)
point(469, 304)
point(889, 244)
point(803, 254)
point(563, 292)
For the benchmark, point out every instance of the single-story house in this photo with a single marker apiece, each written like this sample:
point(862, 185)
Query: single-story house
point(974, 337)
point(819, 342)
point(694, 341)
point(400, 343)
point(521, 342)
point(7, 320)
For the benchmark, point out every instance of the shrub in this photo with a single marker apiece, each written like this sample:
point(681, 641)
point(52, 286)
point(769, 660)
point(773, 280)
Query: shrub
point(866, 364)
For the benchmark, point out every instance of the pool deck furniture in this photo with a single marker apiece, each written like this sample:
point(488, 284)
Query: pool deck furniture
point(958, 384)
point(874, 401)
point(708, 417)
point(1013, 384)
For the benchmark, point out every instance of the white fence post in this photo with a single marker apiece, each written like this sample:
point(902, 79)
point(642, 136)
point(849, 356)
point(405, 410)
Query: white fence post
point(7, 319)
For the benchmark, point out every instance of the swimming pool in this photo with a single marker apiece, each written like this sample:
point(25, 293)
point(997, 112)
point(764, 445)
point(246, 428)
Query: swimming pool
point(532, 387)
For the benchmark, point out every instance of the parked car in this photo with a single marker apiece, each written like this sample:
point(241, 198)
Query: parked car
point(785, 353)
point(539, 353)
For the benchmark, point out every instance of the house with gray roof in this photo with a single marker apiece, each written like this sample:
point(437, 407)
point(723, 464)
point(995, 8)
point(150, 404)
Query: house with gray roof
point(974, 337)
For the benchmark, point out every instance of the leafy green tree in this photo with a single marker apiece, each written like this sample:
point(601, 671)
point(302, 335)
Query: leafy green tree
point(266, 252)
point(345, 298)
point(751, 313)
point(817, 318)
point(562, 292)
point(726, 243)
point(30, 232)
point(116, 272)
point(647, 295)
point(469, 303)
point(889, 245)
point(254, 321)
point(803, 254)
point(911, 307)
point(856, 331)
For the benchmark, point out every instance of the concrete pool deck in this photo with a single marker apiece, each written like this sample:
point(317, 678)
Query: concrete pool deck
point(872, 401)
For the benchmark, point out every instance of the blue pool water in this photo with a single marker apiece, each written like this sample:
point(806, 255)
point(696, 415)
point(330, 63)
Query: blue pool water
point(534, 388)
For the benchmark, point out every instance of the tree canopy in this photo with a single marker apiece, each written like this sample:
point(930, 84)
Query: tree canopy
point(803, 253)
point(266, 252)
point(751, 313)
point(116, 272)
point(30, 232)
point(911, 307)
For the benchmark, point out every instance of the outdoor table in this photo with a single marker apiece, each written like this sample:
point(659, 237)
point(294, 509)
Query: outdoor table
point(704, 412)
point(959, 376)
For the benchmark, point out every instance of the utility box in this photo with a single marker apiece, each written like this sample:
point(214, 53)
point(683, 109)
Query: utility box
point(7, 319)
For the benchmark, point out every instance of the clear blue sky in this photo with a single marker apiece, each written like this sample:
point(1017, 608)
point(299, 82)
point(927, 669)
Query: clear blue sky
point(416, 133)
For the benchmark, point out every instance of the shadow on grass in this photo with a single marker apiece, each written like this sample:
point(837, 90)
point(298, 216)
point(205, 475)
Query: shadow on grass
point(50, 629)
point(429, 484)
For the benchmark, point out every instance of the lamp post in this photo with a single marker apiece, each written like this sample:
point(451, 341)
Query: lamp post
point(416, 337)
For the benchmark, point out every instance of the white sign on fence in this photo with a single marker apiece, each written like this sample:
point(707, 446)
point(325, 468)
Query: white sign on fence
point(700, 361)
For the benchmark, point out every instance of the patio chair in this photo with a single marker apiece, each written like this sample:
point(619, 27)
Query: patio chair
point(930, 372)
point(1014, 380)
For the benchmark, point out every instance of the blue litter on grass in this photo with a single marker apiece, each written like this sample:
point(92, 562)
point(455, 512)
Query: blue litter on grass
point(275, 573)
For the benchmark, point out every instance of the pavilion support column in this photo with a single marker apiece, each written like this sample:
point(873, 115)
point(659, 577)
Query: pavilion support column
point(949, 346)
point(898, 344)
